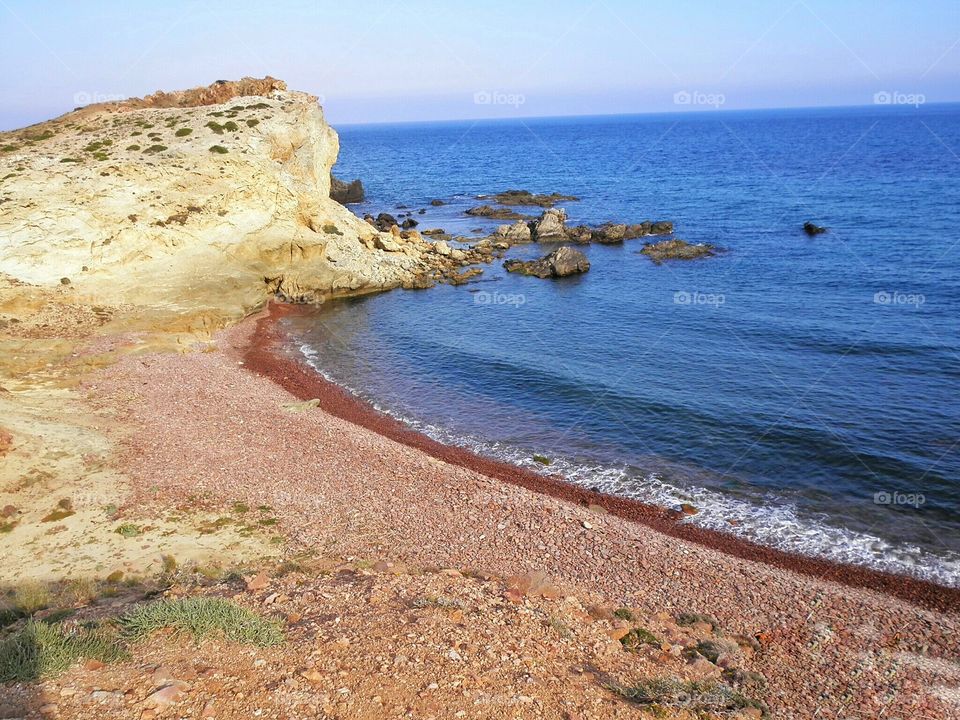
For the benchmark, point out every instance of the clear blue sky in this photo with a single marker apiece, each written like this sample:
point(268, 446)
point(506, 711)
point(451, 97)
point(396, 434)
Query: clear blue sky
point(410, 60)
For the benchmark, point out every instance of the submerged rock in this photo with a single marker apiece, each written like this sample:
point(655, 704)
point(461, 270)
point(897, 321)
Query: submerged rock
point(346, 192)
point(525, 197)
point(560, 263)
point(810, 229)
point(496, 213)
point(677, 250)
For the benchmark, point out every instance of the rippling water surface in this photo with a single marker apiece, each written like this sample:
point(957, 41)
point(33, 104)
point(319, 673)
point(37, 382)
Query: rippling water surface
point(806, 389)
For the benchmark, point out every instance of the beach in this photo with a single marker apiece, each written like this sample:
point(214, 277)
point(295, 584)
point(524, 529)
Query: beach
point(359, 494)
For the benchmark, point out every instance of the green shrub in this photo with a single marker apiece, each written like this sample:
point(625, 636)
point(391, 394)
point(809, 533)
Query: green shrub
point(216, 127)
point(638, 637)
point(133, 147)
point(40, 650)
point(231, 126)
point(183, 132)
point(219, 149)
point(201, 617)
point(128, 530)
point(153, 149)
point(252, 122)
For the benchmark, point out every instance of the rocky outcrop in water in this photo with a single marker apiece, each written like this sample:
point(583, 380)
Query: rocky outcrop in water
point(811, 229)
point(677, 250)
point(561, 262)
point(551, 227)
point(495, 213)
point(525, 197)
point(346, 192)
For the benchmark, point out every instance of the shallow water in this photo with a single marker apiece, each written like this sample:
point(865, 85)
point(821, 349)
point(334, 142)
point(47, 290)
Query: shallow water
point(806, 389)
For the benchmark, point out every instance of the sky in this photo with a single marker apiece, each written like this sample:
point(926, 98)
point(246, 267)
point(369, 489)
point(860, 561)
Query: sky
point(372, 61)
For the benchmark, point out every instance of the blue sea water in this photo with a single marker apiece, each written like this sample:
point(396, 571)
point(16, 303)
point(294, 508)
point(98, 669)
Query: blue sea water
point(801, 392)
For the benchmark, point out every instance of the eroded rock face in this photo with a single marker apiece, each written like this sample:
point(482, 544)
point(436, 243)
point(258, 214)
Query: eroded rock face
point(177, 199)
point(560, 263)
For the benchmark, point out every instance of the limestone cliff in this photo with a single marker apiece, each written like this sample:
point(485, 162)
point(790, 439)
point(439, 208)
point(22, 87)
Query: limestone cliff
point(210, 198)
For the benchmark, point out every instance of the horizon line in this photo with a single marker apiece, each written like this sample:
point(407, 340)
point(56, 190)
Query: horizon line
point(704, 111)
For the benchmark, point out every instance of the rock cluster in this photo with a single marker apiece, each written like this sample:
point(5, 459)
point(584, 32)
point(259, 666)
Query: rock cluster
point(551, 226)
point(812, 229)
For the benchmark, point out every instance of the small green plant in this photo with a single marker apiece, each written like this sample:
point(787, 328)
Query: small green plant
point(216, 127)
point(133, 147)
point(542, 459)
point(240, 507)
point(201, 617)
point(231, 126)
point(252, 122)
point(68, 159)
point(153, 149)
point(41, 650)
point(623, 614)
point(8, 148)
point(183, 132)
point(637, 638)
point(332, 229)
point(218, 149)
point(128, 530)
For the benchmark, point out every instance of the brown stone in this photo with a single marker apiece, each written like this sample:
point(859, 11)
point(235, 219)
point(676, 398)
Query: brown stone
point(258, 582)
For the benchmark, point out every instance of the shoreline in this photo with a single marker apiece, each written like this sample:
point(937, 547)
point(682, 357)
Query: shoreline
point(268, 354)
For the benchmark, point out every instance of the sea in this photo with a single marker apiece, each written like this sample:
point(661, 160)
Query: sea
point(800, 392)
